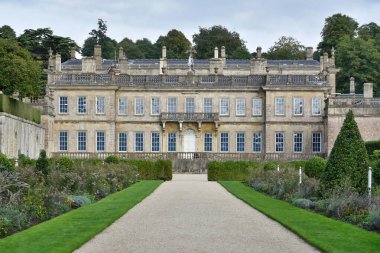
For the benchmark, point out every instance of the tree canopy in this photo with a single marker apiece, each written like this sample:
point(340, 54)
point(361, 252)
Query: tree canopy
point(18, 71)
point(286, 48)
point(6, 32)
point(217, 36)
point(176, 44)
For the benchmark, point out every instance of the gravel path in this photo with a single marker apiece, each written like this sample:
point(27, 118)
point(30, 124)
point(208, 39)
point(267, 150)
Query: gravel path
point(190, 214)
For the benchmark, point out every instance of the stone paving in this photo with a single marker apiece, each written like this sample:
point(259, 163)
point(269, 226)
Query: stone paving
point(190, 214)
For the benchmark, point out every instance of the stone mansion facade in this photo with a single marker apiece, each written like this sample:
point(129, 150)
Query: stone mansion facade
point(268, 109)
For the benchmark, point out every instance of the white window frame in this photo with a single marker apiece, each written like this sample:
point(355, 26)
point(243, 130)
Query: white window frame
point(123, 105)
point(172, 105)
point(224, 110)
point(207, 106)
point(240, 108)
point(152, 138)
point(297, 141)
point(257, 107)
point(257, 136)
point(126, 141)
point(83, 105)
point(85, 141)
point(171, 144)
point(190, 105)
point(283, 142)
point(155, 106)
point(142, 138)
point(228, 142)
point(207, 141)
point(100, 102)
point(320, 142)
point(66, 138)
point(298, 106)
point(237, 146)
point(139, 106)
point(63, 105)
point(279, 106)
point(97, 142)
point(316, 102)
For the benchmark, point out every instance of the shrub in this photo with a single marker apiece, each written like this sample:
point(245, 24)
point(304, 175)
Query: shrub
point(230, 170)
point(19, 109)
point(315, 166)
point(111, 159)
point(23, 161)
point(152, 170)
point(302, 203)
point(376, 172)
point(79, 200)
point(42, 163)
point(271, 165)
point(348, 159)
point(371, 146)
point(64, 164)
point(374, 217)
point(298, 163)
point(6, 164)
point(11, 219)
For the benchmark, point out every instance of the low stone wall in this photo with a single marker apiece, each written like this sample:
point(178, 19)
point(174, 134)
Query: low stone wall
point(193, 166)
point(18, 135)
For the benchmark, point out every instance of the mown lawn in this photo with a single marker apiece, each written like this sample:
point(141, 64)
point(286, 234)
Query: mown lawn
point(69, 231)
point(324, 233)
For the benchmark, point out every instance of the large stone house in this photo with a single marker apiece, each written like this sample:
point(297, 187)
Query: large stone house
point(258, 108)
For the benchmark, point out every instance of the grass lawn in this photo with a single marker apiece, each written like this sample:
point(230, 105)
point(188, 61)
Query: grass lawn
point(324, 233)
point(69, 231)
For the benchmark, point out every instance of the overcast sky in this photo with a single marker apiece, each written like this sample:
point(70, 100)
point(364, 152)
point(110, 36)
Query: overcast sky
point(259, 22)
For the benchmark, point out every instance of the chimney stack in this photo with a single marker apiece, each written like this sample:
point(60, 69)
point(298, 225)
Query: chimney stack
point(163, 52)
point(72, 53)
point(368, 90)
point(98, 54)
point(121, 53)
point(223, 52)
point(309, 53)
point(258, 52)
point(352, 85)
point(216, 53)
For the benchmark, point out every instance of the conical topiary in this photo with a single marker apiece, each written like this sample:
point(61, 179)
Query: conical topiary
point(348, 160)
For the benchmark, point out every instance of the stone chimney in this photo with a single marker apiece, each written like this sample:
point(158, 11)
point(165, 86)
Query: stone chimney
point(121, 53)
point(352, 85)
point(216, 53)
point(368, 90)
point(325, 60)
point(163, 52)
point(309, 53)
point(258, 52)
point(98, 55)
point(72, 53)
point(58, 62)
point(223, 52)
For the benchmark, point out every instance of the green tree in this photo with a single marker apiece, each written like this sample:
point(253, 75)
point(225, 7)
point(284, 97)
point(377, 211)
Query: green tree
point(6, 32)
point(176, 44)
point(360, 59)
point(336, 28)
point(98, 36)
point(217, 36)
point(18, 71)
point(130, 49)
point(369, 31)
point(148, 49)
point(286, 48)
point(348, 160)
point(42, 163)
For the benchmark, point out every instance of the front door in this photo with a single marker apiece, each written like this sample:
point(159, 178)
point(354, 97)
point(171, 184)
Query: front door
point(189, 141)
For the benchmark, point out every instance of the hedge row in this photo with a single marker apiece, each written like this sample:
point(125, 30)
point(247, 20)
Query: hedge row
point(230, 170)
point(372, 146)
point(19, 109)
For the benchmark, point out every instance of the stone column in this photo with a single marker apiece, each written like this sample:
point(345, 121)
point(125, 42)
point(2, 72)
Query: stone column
point(368, 90)
point(309, 53)
point(216, 53)
point(352, 85)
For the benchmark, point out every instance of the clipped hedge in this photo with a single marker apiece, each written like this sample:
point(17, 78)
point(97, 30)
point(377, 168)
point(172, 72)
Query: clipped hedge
point(152, 170)
point(230, 170)
point(372, 146)
point(19, 109)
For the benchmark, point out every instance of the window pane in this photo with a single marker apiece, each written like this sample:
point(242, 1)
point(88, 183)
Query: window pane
point(207, 105)
point(155, 142)
point(139, 106)
point(123, 142)
point(256, 142)
point(63, 104)
point(316, 142)
point(155, 105)
point(190, 105)
point(280, 106)
point(297, 142)
point(279, 142)
point(172, 105)
point(240, 106)
point(139, 142)
point(122, 105)
point(240, 142)
point(63, 141)
point(100, 140)
point(82, 105)
point(82, 141)
point(224, 106)
point(172, 141)
point(257, 105)
point(208, 142)
point(224, 142)
point(298, 106)
point(100, 103)
point(317, 106)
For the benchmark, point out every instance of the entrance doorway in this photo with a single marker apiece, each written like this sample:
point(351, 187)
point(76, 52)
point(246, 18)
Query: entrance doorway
point(189, 141)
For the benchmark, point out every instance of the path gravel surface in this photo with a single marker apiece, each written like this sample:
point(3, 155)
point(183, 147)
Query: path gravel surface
point(190, 214)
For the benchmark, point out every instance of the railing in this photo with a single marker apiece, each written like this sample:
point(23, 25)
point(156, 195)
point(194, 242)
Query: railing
point(192, 117)
point(187, 155)
point(354, 102)
point(152, 81)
